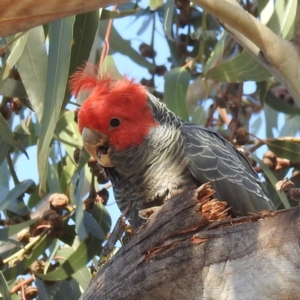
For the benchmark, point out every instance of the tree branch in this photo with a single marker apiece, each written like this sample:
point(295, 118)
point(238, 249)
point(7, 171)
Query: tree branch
point(181, 254)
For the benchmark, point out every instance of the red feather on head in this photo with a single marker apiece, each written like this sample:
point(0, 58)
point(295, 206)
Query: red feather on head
point(110, 98)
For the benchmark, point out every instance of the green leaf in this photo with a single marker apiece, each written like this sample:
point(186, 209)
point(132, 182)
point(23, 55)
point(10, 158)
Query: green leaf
point(77, 260)
point(15, 52)
point(169, 10)
point(32, 67)
point(155, 4)
point(57, 76)
point(83, 277)
point(118, 44)
point(263, 87)
point(283, 17)
point(9, 136)
point(52, 251)
point(291, 126)
point(92, 226)
point(265, 10)
point(271, 116)
point(217, 53)
point(14, 229)
point(109, 65)
point(5, 147)
point(68, 134)
point(4, 291)
point(270, 175)
point(16, 192)
point(64, 289)
point(21, 266)
point(280, 105)
point(285, 149)
point(77, 184)
point(101, 215)
point(241, 68)
point(84, 31)
point(12, 88)
point(176, 84)
point(145, 24)
point(198, 115)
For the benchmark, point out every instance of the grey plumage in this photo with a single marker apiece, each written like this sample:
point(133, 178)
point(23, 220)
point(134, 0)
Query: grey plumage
point(178, 156)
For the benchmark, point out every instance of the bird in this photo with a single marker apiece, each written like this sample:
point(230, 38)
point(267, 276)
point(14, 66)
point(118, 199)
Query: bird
point(150, 154)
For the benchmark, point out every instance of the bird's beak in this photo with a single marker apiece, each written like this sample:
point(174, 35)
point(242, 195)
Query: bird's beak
point(97, 146)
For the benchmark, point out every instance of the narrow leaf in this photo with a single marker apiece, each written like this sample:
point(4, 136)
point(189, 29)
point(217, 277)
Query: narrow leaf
point(5, 295)
point(263, 87)
point(280, 105)
point(241, 68)
point(92, 226)
point(169, 10)
point(176, 85)
point(15, 52)
point(272, 178)
point(14, 229)
point(12, 88)
point(32, 67)
point(57, 76)
point(8, 135)
point(77, 260)
point(285, 149)
point(15, 193)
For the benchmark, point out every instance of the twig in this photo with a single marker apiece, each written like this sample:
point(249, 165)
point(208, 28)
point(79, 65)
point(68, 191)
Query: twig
point(18, 286)
point(12, 169)
point(105, 49)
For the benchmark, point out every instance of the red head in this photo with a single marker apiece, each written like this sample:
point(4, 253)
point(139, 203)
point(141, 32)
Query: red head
point(117, 109)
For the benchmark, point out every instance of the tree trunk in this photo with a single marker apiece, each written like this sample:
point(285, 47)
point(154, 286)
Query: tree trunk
point(182, 254)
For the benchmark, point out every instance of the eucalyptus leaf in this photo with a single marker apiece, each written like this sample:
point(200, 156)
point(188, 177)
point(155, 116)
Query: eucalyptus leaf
point(241, 68)
point(77, 260)
point(176, 85)
point(285, 149)
point(14, 229)
point(4, 288)
point(281, 105)
point(272, 178)
point(8, 135)
point(61, 34)
point(12, 272)
point(16, 50)
point(32, 67)
point(16, 192)
point(169, 11)
point(12, 88)
point(92, 226)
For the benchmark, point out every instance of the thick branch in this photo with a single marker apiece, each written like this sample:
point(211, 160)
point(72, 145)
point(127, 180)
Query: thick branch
point(178, 256)
point(17, 16)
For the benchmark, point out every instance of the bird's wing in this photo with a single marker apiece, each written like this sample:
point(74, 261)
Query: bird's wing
point(214, 159)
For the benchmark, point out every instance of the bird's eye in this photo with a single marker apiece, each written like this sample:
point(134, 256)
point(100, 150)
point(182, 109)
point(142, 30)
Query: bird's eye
point(115, 122)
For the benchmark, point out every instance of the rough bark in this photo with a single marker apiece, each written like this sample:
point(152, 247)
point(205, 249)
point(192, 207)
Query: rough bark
point(180, 254)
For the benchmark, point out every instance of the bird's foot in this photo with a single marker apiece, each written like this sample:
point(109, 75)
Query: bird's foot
point(147, 212)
